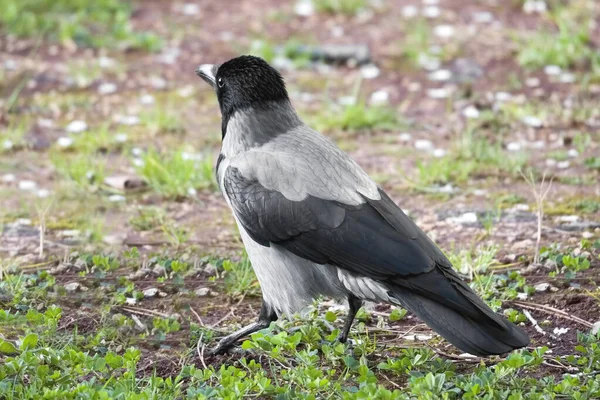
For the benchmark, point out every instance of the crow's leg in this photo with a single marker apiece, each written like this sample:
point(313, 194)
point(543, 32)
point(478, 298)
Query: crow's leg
point(266, 316)
point(354, 304)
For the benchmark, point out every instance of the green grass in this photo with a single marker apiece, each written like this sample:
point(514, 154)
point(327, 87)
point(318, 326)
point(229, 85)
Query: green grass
point(177, 174)
point(240, 279)
point(102, 23)
point(86, 172)
point(346, 7)
point(357, 117)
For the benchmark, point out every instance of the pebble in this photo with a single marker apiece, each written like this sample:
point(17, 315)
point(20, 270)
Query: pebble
point(185, 91)
point(428, 62)
point(550, 162)
point(64, 141)
point(439, 153)
point(43, 193)
point(480, 192)
point(532, 81)
point(440, 75)
point(159, 270)
point(106, 62)
point(483, 17)
point(596, 327)
point(77, 126)
point(158, 83)
point(409, 11)
point(542, 287)
point(7, 144)
point(379, 97)
point(304, 8)
point(568, 218)
point(369, 71)
point(502, 96)
point(431, 2)
point(560, 331)
point(573, 153)
point(522, 296)
point(72, 287)
point(147, 99)
point(466, 218)
point(115, 198)
point(423, 144)
point(405, 137)
point(121, 137)
point(10, 65)
point(151, 292)
point(566, 77)
point(471, 112)
point(130, 301)
point(210, 269)
point(27, 185)
point(532, 121)
point(128, 119)
point(535, 6)
point(201, 292)
point(439, 93)
point(8, 178)
point(190, 9)
point(337, 31)
point(552, 70)
point(563, 164)
point(431, 12)
point(513, 146)
point(444, 31)
point(107, 88)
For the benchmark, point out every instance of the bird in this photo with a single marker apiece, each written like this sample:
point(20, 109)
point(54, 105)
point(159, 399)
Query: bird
point(314, 223)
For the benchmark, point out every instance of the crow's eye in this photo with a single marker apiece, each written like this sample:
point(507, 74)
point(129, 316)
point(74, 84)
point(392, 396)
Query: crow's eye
point(220, 82)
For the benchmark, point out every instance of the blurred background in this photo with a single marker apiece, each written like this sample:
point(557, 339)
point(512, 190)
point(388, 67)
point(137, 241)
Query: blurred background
point(446, 103)
point(481, 118)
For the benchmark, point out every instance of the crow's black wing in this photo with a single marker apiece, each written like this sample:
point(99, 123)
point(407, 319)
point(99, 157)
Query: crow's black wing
point(374, 239)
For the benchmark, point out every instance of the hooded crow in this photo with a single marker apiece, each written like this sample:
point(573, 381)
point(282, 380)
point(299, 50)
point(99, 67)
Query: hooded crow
point(315, 224)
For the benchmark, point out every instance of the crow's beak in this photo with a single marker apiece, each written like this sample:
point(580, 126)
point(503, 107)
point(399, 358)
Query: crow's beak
point(208, 73)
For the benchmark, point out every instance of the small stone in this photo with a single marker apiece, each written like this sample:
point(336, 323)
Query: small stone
point(201, 292)
point(587, 235)
point(502, 96)
point(115, 198)
point(431, 2)
point(542, 287)
point(159, 270)
point(428, 62)
point(64, 141)
point(405, 137)
point(566, 77)
point(439, 153)
point(483, 17)
point(27, 185)
point(304, 8)
point(369, 71)
point(466, 218)
point(106, 62)
point(380, 97)
point(192, 192)
point(444, 31)
point(552, 70)
point(513, 146)
point(72, 287)
point(130, 301)
point(596, 328)
point(560, 331)
point(441, 75)
point(440, 93)
point(423, 144)
point(129, 120)
point(532, 121)
point(568, 218)
point(107, 88)
point(409, 11)
point(7, 144)
point(563, 164)
point(147, 99)
point(121, 137)
point(190, 9)
point(185, 91)
point(158, 83)
point(8, 178)
point(550, 162)
point(139, 274)
point(573, 153)
point(522, 296)
point(151, 292)
point(480, 192)
point(77, 126)
point(210, 269)
point(535, 6)
point(532, 82)
point(337, 31)
point(471, 112)
point(43, 193)
point(431, 12)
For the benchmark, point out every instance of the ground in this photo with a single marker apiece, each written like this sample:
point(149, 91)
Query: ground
point(120, 264)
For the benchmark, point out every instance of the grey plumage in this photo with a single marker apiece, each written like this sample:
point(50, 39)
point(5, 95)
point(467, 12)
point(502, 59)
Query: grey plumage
point(314, 223)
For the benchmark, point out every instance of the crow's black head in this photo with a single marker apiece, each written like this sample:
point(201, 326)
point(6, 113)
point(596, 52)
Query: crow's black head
point(243, 82)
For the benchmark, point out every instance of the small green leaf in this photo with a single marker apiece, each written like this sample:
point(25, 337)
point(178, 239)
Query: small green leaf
point(330, 316)
point(7, 347)
point(29, 342)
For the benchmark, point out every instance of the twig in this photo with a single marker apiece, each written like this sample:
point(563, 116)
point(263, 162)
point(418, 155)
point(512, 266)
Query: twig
point(535, 324)
point(392, 382)
point(197, 316)
point(540, 196)
point(553, 311)
point(200, 351)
